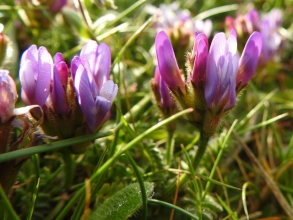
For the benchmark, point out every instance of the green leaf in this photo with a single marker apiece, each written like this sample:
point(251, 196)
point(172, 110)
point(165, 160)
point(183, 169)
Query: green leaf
point(123, 204)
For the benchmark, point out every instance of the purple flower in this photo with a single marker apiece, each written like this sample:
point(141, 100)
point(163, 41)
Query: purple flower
point(36, 69)
point(270, 24)
point(222, 67)
point(95, 92)
point(167, 63)
point(8, 96)
point(59, 85)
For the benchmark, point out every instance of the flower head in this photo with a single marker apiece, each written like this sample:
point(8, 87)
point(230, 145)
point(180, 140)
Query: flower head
point(213, 78)
point(95, 92)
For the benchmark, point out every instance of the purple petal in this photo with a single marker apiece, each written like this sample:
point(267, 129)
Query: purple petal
point(167, 62)
point(166, 100)
point(84, 95)
point(58, 58)
point(222, 68)
point(75, 62)
point(232, 42)
point(199, 68)
point(58, 95)
point(109, 90)
point(28, 84)
point(30, 54)
point(102, 105)
point(89, 53)
point(217, 50)
point(103, 65)
point(249, 59)
point(62, 71)
point(45, 71)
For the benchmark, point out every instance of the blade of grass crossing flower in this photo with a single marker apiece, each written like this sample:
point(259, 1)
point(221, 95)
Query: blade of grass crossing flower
point(7, 206)
point(52, 146)
point(223, 145)
point(141, 184)
point(171, 206)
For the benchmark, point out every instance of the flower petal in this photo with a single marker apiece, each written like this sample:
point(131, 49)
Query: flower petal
point(215, 61)
point(75, 62)
point(249, 59)
point(102, 66)
point(167, 62)
point(200, 62)
point(103, 106)
point(109, 90)
point(26, 77)
point(84, 94)
point(45, 70)
point(58, 94)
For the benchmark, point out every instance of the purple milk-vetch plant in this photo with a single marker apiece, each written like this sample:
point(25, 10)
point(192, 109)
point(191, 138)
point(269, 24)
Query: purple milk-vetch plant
point(36, 69)
point(95, 91)
point(213, 79)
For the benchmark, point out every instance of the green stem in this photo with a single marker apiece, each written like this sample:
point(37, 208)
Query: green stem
point(185, 177)
point(68, 168)
point(170, 147)
point(201, 150)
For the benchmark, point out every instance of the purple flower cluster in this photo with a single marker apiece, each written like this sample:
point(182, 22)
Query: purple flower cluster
point(267, 25)
point(47, 83)
point(215, 77)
